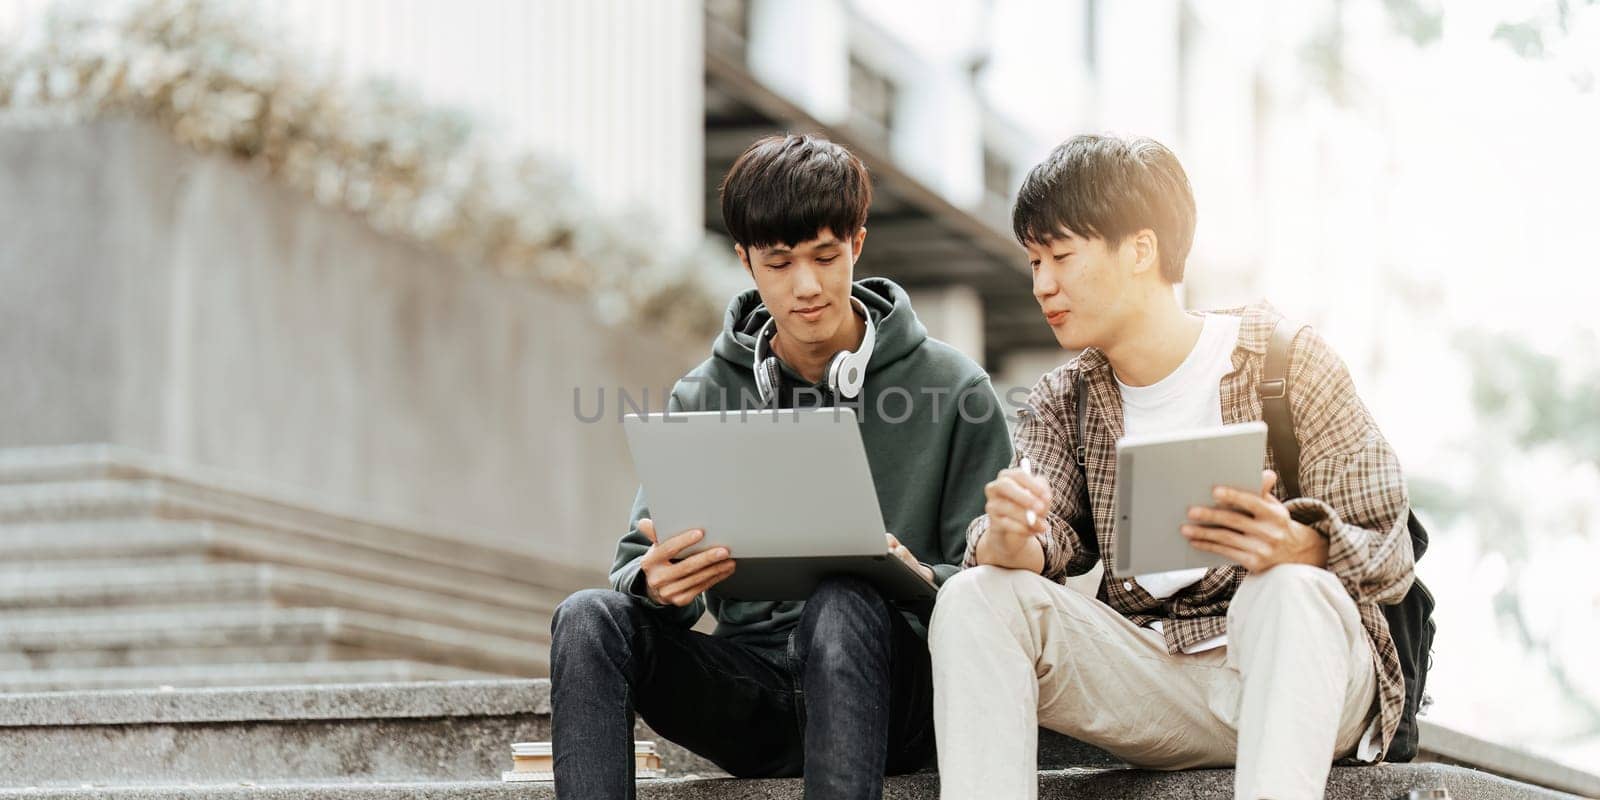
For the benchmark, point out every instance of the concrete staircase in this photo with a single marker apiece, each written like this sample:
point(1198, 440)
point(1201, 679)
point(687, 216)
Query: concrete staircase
point(169, 634)
point(450, 740)
point(120, 572)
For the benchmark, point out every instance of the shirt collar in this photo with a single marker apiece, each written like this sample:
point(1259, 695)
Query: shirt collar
point(1255, 331)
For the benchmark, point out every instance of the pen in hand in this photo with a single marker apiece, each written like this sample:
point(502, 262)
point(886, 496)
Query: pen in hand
point(1033, 519)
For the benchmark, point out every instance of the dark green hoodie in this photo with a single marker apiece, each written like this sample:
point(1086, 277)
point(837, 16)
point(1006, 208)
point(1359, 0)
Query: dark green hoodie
point(929, 461)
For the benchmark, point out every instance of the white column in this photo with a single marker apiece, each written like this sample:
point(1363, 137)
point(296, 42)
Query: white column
point(801, 50)
point(953, 314)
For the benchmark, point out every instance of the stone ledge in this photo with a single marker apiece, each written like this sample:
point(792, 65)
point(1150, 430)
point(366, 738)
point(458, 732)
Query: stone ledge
point(233, 674)
point(532, 698)
point(188, 581)
point(278, 704)
point(62, 543)
point(170, 635)
point(1446, 746)
point(457, 731)
point(59, 542)
point(1345, 783)
point(460, 731)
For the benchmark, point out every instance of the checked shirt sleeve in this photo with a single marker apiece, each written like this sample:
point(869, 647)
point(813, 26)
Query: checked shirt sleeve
point(1045, 436)
point(1352, 488)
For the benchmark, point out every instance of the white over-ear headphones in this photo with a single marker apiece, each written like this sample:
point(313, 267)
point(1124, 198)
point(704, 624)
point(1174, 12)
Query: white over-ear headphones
point(847, 372)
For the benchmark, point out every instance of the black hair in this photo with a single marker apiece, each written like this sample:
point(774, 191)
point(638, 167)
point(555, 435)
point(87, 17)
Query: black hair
point(787, 189)
point(1111, 188)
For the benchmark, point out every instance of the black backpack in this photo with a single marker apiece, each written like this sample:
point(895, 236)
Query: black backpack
point(1411, 620)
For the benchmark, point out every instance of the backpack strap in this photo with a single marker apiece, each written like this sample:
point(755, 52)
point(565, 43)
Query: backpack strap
point(1273, 389)
point(1081, 452)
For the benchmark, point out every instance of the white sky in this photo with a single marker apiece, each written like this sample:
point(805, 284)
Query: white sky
point(1498, 174)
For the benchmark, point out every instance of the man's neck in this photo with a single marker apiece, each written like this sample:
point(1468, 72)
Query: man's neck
point(1154, 343)
point(811, 360)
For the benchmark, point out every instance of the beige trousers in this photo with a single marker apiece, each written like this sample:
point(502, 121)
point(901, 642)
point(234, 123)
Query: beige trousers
point(1292, 691)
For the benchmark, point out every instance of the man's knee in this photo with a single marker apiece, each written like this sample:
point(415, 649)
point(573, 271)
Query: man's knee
point(986, 587)
point(591, 615)
point(1292, 587)
point(983, 596)
point(845, 624)
point(1296, 580)
point(845, 607)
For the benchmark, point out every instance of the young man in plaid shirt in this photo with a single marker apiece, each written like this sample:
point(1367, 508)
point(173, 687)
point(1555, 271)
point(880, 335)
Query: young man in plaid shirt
point(1278, 665)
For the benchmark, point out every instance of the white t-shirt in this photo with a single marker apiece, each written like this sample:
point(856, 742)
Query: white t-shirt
point(1189, 397)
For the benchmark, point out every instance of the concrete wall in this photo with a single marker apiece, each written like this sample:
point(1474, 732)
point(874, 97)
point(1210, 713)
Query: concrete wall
point(154, 298)
point(582, 81)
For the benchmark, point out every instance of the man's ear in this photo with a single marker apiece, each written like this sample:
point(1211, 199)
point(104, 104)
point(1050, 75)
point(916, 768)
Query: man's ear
point(859, 241)
point(744, 258)
point(1146, 251)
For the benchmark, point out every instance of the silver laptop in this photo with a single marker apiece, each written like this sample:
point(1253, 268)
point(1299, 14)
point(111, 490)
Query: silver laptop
point(788, 492)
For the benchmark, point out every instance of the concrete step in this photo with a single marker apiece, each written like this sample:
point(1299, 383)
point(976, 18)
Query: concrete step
point(108, 484)
point(449, 731)
point(451, 739)
point(206, 675)
point(22, 569)
point(101, 482)
point(100, 530)
point(161, 636)
point(460, 730)
point(57, 543)
point(23, 542)
point(186, 579)
point(1345, 783)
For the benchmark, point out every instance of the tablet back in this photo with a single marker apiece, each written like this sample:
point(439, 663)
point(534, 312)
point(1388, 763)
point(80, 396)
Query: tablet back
point(1160, 477)
point(777, 483)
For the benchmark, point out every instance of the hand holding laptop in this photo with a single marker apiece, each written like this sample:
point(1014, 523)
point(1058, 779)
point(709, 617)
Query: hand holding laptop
point(679, 583)
point(695, 469)
point(904, 553)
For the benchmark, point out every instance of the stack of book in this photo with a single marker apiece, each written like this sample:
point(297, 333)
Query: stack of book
point(534, 761)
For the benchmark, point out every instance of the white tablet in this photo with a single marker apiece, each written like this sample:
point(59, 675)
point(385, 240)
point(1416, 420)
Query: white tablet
point(788, 492)
point(1160, 477)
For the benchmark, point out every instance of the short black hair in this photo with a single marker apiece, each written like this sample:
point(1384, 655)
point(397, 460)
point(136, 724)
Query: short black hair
point(1111, 188)
point(787, 189)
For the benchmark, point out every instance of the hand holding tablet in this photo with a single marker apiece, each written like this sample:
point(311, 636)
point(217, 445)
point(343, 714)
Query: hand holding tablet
point(1160, 478)
point(1254, 530)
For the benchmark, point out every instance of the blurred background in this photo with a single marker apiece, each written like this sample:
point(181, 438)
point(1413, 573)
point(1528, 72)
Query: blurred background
point(304, 305)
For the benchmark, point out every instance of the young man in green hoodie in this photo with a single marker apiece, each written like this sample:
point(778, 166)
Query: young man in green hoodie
point(837, 688)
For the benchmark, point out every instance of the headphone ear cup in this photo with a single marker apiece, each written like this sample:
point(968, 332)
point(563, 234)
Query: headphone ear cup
point(845, 375)
point(767, 380)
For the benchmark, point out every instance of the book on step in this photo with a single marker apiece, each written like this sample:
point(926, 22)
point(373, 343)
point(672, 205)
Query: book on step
point(535, 761)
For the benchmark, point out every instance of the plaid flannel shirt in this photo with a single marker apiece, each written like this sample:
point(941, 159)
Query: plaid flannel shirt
point(1351, 486)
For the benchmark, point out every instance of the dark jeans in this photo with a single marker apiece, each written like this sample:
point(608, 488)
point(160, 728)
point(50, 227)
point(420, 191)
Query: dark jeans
point(847, 701)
